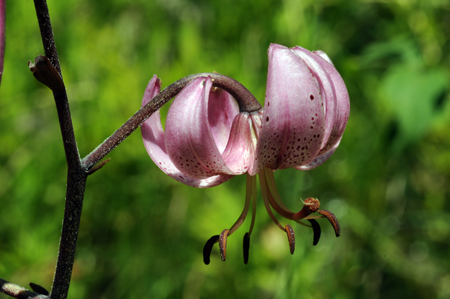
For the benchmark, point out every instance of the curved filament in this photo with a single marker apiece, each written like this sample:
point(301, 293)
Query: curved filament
point(248, 198)
point(266, 198)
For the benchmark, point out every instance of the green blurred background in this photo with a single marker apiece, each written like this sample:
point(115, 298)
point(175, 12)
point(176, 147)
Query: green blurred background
point(142, 233)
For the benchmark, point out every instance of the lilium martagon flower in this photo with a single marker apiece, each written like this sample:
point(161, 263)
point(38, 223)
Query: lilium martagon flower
point(208, 140)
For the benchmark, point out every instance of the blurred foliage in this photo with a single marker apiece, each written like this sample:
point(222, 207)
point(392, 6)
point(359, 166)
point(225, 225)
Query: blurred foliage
point(142, 233)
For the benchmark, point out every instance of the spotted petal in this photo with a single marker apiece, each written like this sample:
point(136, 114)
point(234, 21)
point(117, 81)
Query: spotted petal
point(189, 140)
point(154, 141)
point(334, 92)
point(294, 118)
point(319, 160)
point(239, 154)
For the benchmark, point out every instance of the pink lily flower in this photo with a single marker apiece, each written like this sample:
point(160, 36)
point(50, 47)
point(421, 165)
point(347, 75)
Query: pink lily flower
point(207, 140)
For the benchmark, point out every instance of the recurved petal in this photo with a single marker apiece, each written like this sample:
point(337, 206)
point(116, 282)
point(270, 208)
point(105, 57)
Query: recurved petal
point(239, 154)
point(154, 142)
point(319, 160)
point(342, 100)
point(222, 109)
point(323, 55)
point(293, 120)
point(334, 92)
point(320, 69)
point(189, 141)
point(152, 89)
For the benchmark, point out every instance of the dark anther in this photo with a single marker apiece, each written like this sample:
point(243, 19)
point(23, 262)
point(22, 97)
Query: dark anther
point(208, 248)
point(39, 289)
point(223, 244)
point(333, 220)
point(291, 237)
point(316, 229)
point(246, 247)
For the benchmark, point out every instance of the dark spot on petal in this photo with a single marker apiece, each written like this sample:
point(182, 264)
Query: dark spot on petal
point(311, 97)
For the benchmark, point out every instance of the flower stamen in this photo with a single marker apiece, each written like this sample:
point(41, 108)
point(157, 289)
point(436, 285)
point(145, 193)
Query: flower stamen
point(222, 238)
point(316, 229)
point(268, 199)
point(248, 198)
point(269, 202)
point(333, 220)
point(246, 247)
point(208, 248)
point(291, 237)
point(251, 184)
point(223, 244)
point(311, 204)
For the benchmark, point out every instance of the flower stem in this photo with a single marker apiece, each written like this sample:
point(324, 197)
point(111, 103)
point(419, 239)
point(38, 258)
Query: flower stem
point(47, 70)
point(247, 103)
point(48, 39)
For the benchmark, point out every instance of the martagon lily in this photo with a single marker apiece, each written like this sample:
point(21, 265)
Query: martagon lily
point(208, 139)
